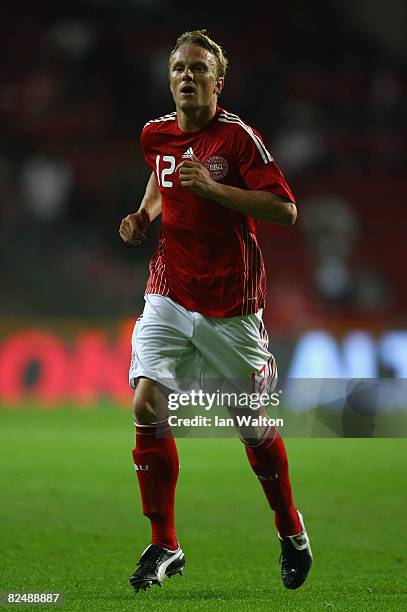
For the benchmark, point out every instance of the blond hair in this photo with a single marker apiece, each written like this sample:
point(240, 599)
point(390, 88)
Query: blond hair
point(201, 39)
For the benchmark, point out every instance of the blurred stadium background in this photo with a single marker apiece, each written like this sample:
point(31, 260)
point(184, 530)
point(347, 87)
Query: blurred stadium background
point(325, 82)
point(325, 85)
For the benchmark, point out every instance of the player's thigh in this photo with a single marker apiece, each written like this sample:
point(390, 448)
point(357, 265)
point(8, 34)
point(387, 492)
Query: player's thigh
point(162, 350)
point(236, 350)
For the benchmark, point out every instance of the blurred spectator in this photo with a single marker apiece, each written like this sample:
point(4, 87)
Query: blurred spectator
point(371, 293)
point(73, 38)
point(331, 229)
point(301, 142)
point(46, 185)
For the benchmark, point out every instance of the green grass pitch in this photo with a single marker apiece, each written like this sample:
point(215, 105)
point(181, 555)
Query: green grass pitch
point(70, 519)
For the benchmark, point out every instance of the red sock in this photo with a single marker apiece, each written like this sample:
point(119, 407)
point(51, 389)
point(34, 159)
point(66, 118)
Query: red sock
point(156, 463)
point(269, 461)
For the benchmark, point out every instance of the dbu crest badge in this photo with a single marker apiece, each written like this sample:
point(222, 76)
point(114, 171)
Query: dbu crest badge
point(217, 166)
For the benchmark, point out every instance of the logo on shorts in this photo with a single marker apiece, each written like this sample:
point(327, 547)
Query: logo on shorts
point(217, 166)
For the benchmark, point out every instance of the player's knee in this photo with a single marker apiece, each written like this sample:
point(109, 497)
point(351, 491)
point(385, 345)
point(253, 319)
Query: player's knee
point(149, 402)
point(144, 410)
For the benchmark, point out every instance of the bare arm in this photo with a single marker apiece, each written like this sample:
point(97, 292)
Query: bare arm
point(151, 201)
point(133, 227)
point(261, 205)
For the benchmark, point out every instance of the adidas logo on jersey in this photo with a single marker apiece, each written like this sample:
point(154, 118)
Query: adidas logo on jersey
point(141, 468)
point(188, 153)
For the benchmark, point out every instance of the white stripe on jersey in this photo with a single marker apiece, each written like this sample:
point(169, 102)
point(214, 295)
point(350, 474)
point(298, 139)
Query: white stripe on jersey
point(225, 117)
point(261, 143)
point(169, 117)
point(157, 282)
point(162, 287)
point(246, 272)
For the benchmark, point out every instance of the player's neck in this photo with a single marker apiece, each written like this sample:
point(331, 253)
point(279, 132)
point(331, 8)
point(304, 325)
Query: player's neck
point(196, 119)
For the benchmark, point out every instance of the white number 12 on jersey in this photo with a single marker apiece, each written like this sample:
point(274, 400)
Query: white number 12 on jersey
point(169, 159)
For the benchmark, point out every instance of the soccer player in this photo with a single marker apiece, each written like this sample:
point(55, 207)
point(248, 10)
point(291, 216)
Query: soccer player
point(212, 181)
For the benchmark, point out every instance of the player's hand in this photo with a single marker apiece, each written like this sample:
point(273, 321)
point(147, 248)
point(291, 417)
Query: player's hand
point(195, 176)
point(133, 227)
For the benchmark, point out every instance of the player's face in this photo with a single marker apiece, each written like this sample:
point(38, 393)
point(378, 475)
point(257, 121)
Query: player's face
point(193, 80)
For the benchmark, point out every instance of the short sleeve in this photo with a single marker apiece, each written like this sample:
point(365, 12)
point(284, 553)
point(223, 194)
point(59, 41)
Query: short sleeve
point(257, 167)
point(144, 147)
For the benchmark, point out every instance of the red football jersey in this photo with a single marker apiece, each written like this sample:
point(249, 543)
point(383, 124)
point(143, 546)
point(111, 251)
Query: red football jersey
point(208, 259)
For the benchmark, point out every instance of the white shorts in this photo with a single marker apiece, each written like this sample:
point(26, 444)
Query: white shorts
point(185, 350)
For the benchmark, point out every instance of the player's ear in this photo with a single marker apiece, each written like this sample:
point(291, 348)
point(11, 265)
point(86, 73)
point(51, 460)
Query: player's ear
point(219, 85)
